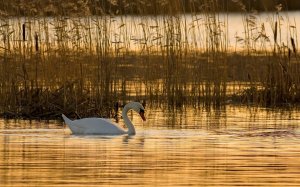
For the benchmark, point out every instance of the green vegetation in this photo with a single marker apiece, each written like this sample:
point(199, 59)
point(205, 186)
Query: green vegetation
point(84, 65)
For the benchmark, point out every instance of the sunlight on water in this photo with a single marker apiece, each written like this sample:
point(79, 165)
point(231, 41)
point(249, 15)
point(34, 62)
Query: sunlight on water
point(203, 147)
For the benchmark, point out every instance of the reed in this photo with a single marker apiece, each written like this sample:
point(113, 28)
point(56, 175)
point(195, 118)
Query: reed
point(83, 66)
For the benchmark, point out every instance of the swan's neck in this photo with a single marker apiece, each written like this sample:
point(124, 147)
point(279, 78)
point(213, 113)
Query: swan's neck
point(128, 123)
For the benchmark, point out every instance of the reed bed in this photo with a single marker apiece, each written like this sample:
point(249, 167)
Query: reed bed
point(91, 65)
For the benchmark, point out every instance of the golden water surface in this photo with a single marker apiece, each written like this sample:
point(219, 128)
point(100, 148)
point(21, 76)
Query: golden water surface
point(233, 146)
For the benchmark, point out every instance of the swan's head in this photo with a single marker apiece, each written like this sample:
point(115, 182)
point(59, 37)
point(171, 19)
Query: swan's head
point(137, 107)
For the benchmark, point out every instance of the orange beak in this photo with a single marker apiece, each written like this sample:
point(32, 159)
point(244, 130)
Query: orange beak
point(142, 116)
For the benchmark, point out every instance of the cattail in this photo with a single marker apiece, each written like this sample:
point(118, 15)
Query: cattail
point(24, 31)
point(36, 38)
point(293, 45)
point(275, 32)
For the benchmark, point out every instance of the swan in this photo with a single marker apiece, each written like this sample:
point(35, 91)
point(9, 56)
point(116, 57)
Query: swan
point(103, 126)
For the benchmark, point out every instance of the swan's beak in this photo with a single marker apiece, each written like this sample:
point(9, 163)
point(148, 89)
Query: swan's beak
point(142, 115)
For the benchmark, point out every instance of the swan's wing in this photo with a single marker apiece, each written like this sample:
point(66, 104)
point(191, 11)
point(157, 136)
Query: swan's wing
point(93, 121)
point(96, 126)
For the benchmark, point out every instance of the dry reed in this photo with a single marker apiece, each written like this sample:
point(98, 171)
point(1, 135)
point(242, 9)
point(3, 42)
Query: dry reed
point(84, 65)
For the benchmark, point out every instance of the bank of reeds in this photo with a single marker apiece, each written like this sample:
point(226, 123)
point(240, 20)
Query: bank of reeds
point(85, 65)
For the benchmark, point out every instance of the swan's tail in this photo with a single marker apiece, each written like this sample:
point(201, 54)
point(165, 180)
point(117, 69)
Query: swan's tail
point(67, 120)
point(72, 125)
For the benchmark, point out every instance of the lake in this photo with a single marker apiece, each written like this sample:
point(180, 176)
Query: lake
point(228, 146)
point(233, 145)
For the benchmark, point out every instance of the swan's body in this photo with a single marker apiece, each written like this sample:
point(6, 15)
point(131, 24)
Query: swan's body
point(105, 126)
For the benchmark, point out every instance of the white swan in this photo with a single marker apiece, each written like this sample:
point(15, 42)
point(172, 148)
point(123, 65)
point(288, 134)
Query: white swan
point(105, 126)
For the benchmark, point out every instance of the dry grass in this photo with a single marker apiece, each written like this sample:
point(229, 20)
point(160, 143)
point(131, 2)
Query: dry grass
point(83, 66)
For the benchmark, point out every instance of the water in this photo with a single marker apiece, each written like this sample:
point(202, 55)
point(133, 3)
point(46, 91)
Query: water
point(232, 146)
